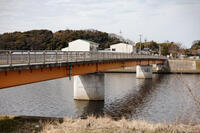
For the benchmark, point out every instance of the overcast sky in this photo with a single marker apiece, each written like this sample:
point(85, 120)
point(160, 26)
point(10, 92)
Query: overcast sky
point(159, 20)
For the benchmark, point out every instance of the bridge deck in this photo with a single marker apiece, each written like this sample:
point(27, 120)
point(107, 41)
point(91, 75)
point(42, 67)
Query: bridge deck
point(22, 67)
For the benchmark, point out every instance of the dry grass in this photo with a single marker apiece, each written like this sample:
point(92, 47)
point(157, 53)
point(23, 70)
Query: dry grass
point(89, 125)
point(107, 125)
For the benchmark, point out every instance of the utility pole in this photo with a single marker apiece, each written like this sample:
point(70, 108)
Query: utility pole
point(140, 42)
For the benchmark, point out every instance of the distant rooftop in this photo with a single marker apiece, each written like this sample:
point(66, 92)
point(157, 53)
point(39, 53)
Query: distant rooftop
point(91, 42)
point(122, 44)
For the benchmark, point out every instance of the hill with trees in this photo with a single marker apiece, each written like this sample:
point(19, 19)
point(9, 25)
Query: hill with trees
point(30, 40)
point(47, 40)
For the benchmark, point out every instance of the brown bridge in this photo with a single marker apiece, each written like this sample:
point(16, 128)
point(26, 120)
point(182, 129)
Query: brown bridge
point(24, 67)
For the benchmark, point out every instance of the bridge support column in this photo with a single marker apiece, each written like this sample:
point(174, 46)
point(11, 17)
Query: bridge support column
point(143, 72)
point(89, 87)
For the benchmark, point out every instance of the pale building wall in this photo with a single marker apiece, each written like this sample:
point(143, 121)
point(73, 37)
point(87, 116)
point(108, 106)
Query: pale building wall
point(122, 47)
point(79, 45)
point(65, 49)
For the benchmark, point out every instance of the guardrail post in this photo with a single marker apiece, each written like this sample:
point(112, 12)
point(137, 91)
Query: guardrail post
point(21, 58)
point(56, 56)
point(67, 56)
point(44, 57)
point(29, 58)
point(89, 56)
point(84, 56)
point(76, 56)
point(35, 56)
point(106, 56)
point(7, 53)
point(10, 58)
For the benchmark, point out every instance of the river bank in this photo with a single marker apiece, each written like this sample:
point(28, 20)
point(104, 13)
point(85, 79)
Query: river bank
point(172, 66)
point(24, 124)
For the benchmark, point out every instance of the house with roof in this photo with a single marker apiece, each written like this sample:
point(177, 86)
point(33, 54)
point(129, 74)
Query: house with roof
point(123, 48)
point(81, 45)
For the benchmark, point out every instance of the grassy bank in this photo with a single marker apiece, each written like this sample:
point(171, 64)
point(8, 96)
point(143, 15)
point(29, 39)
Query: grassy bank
point(91, 124)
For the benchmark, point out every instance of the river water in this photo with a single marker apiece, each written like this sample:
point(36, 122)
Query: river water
point(165, 98)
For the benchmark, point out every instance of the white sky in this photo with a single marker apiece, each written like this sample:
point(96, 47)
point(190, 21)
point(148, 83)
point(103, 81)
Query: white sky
point(159, 20)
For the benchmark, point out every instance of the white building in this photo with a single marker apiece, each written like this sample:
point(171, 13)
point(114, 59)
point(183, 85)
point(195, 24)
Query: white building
point(81, 45)
point(123, 48)
point(65, 49)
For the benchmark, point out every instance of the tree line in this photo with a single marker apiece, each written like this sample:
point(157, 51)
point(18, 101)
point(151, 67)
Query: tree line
point(47, 40)
point(170, 48)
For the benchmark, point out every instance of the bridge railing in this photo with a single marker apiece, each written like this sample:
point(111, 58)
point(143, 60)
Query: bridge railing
point(19, 57)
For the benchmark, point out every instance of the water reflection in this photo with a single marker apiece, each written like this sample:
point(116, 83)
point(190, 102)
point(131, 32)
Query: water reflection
point(129, 104)
point(88, 108)
point(163, 98)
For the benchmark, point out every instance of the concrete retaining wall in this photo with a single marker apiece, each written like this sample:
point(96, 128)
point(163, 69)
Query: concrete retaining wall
point(171, 66)
point(182, 65)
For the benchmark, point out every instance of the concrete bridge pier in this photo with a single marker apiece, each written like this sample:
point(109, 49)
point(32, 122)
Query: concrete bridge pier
point(159, 68)
point(143, 72)
point(88, 87)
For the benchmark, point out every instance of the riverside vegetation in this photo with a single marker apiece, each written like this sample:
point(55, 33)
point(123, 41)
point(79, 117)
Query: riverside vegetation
point(10, 124)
